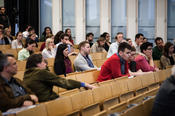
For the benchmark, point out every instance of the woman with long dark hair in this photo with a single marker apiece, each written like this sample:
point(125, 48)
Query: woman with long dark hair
point(62, 64)
point(47, 33)
point(168, 57)
point(68, 31)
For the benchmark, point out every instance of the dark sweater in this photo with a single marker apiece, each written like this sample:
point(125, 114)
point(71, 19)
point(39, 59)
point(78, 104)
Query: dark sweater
point(165, 99)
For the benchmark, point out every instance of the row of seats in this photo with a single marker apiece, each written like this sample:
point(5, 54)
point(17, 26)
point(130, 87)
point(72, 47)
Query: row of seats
point(122, 95)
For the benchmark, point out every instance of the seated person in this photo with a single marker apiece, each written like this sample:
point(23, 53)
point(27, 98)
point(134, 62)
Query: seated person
point(132, 64)
point(89, 38)
point(168, 57)
point(114, 46)
point(17, 43)
point(158, 49)
point(107, 42)
point(62, 64)
point(26, 33)
point(32, 37)
point(2, 41)
point(27, 51)
point(49, 50)
point(164, 102)
point(83, 61)
point(117, 65)
point(47, 33)
point(7, 36)
point(138, 41)
point(144, 60)
point(64, 39)
point(68, 31)
point(13, 93)
point(99, 45)
point(41, 81)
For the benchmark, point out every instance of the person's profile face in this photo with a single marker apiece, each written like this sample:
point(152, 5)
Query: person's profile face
point(125, 54)
point(2, 10)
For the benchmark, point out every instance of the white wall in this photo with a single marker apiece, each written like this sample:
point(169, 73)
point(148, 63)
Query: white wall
point(105, 18)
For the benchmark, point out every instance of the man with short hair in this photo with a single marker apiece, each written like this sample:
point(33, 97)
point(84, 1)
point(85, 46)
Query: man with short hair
point(83, 61)
point(158, 49)
point(144, 60)
point(13, 92)
point(4, 20)
point(117, 65)
point(138, 41)
point(64, 39)
point(114, 46)
point(89, 38)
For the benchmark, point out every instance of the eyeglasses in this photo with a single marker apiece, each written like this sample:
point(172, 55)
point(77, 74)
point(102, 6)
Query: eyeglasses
point(149, 48)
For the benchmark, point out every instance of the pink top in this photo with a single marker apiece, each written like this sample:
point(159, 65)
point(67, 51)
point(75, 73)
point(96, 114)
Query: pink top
point(143, 64)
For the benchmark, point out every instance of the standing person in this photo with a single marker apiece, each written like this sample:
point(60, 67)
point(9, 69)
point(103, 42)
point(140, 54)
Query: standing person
point(47, 33)
point(114, 46)
point(27, 51)
point(62, 64)
point(13, 92)
point(41, 81)
point(144, 59)
point(117, 65)
point(17, 43)
point(68, 31)
point(89, 38)
point(158, 49)
point(7, 36)
point(83, 61)
point(49, 50)
point(99, 45)
point(168, 57)
point(138, 41)
point(107, 43)
point(4, 20)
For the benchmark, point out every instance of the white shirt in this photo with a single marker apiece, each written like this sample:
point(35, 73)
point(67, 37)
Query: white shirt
point(15, 44)
point(113, 49)
point(25, 34)
point(48, 54)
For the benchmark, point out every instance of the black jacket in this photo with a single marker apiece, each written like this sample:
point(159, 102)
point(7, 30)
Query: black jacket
point(164, 104)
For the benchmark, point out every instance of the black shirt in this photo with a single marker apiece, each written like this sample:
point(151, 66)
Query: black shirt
point(132, 66)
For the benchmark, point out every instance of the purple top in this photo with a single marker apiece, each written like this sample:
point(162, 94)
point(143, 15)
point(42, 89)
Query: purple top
point(68, 65)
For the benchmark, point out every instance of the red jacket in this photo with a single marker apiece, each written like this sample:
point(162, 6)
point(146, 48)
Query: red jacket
point(112, 69)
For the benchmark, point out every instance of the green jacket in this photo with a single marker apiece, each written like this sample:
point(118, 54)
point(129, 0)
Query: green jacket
point(41, 82)
point(157, 53)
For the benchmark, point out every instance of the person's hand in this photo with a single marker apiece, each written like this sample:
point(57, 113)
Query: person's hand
point(27, 103)
point(156, 69)
point(34, 98)
point(90, 86)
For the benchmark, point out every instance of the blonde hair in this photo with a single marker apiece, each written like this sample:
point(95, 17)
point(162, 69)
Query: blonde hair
point(48, 40)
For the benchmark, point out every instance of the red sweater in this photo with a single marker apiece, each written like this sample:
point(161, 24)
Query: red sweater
point(112, 69)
